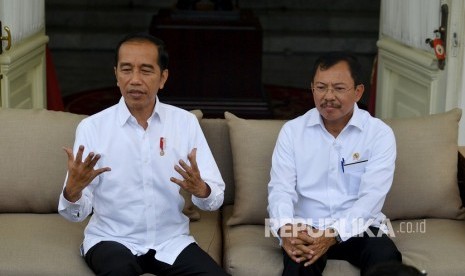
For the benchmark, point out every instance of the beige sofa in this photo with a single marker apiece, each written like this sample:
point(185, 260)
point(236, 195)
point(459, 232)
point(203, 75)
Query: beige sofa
point(424, 204)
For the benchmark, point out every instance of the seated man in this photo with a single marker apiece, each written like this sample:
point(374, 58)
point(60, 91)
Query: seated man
point(331, 170)
point(128, 166)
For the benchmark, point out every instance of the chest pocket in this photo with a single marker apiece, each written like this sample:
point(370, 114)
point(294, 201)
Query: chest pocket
point(352, 175)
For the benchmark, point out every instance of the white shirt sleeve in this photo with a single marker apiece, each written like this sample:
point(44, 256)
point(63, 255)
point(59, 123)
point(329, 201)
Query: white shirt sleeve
point(82, 208)
point(282, 194)
point(208, 171)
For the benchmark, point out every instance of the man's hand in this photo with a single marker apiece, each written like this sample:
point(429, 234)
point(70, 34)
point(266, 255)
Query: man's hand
point(295, 242)
point(192, 181)
point(303, 243)
point(322, 241)
point(80, 173)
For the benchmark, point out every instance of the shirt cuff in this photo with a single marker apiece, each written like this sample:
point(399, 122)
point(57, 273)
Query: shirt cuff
point(72, 209)
point(213, 201)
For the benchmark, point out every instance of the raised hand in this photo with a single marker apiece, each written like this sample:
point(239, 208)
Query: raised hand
point(80, 172)
point(192, 181)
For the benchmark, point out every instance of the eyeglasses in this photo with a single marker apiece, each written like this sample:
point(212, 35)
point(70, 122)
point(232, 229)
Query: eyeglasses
point(339, 90)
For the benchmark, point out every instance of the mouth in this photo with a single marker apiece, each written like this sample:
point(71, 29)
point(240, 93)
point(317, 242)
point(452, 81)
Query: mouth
point(327, 105)
point(136, 93)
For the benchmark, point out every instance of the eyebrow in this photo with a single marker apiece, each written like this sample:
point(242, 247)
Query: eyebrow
point(148, 66)
point(337, 83)
point(144, 65)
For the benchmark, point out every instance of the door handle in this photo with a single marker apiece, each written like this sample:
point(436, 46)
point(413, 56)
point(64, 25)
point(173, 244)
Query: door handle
point(439, 42)
point(7, 38)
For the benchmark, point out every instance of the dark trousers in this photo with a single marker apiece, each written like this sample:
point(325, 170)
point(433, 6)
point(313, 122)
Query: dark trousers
point(112, 258)
point(363, 252)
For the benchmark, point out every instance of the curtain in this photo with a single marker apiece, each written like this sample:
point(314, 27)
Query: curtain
point(23, 17)
point(410, 22)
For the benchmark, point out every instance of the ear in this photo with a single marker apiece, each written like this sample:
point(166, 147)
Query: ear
point(164, 77)
point(116, 76)
point(359, 89)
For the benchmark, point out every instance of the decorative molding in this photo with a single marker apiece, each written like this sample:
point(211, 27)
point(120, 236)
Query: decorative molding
point(408, 82)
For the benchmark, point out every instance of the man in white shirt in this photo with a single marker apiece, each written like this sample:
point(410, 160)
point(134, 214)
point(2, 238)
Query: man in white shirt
point(331, 170)
point(127, 168)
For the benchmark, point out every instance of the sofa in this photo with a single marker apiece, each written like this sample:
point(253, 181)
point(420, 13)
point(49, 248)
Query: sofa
point(424, 206)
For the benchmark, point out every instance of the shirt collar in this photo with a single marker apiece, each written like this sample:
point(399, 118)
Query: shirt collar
point(356, 120)
point(124, 114)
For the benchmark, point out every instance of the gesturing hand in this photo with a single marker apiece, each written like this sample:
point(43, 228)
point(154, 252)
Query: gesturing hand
point(192, 181)
point(80, 173)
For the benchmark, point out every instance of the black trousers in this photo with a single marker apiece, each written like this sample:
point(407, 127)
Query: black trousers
point(112, 258)
point(363, 252)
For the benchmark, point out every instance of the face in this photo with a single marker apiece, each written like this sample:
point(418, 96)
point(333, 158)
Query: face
point(336, 105)
point(139, 76)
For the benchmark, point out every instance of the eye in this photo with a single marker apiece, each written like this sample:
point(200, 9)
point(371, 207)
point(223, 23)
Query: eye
point(340, 89)
point(147, 71)
point(320, 88)
point(125, 69)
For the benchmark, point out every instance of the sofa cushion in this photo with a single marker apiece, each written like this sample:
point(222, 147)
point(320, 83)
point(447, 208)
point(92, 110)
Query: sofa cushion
point(252, 144)
point(207, 234)
point(251, 250)
point(425, 178)
point(41, 244)
point(217, 133)
point(33, 164)
point(433, 245)
point(47, 244)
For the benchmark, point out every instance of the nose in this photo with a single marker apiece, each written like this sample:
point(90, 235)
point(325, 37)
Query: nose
point(135, 77)
point(329, 95)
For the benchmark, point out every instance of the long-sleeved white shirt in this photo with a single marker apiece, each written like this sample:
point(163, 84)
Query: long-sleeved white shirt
point(135, 203)
point(329, 182)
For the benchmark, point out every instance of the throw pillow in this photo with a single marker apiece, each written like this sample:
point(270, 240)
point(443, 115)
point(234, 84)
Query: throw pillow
point(425, 178)
point(252, 144)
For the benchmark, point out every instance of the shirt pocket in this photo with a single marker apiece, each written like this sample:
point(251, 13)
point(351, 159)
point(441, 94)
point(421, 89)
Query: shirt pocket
point(352, 174)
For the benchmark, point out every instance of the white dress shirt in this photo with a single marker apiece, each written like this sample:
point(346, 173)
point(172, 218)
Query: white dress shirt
point(328, 182)
point(135, 203)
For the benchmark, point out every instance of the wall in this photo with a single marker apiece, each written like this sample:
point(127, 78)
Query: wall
point(83, 35)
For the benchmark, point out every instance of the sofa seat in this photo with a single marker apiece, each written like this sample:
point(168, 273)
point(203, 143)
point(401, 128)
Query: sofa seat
point(40, 244)
point(32, 242)
point(414, 238)
point(435, 246)
point(241, 242)
point(207, 233)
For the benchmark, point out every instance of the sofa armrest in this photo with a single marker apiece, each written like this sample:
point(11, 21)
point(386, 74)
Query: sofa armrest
point(461, 173)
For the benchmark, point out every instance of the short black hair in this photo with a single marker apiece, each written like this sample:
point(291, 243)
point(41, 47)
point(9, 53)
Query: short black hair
point(327, 60)
point(162, 53)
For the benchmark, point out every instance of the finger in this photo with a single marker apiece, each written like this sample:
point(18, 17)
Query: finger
point(186, 167)
point(311, 260)
point(304, 249)
point(94, 160)
point(79, 154)
point(192, 157)
point(183, 173)
point(305, 237)
point(177, 181)
point(69, 153)
point(102, 170)
point(89, 159)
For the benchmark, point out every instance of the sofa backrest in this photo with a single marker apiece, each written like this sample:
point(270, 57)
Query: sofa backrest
point(33, 163)
point(425, 181)
point(216, 132)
